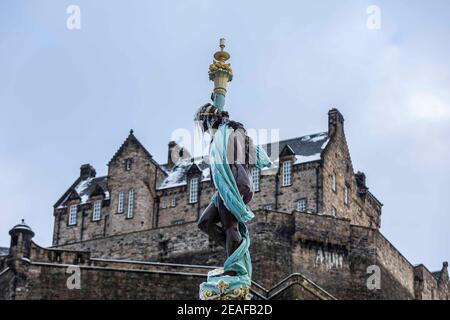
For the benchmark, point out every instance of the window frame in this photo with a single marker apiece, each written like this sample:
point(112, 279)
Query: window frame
point(128, 164)
point(256, 173)
point(305, 204)
point(346, 195)
point(173, 202)
point(193, 190)
point(121, 202)
point(97, 210)
point(287, 174)
point(131, 203)
point(73, 216)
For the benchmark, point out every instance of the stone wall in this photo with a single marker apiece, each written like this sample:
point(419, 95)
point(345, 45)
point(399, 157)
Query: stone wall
point(428, 287)
point(186, 244)
point(395, 267)
point(304, 186)
point(142, 178)
point(363, 210)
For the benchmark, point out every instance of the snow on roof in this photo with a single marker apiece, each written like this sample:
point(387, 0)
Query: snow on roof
point(81, 189)
point(85, 188)
point(307, 149)
point(177, 176)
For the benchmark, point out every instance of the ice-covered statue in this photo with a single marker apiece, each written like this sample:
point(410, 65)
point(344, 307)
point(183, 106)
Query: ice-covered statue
point(231, 156)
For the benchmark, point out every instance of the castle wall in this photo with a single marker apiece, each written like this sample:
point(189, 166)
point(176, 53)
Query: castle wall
point(183, 211)
point(6, 284)
point(271, 235)
point(394, 269)
point(320, 251)
point(50, 282)
point(363, 211)
point(427, 287)
point(304, 186)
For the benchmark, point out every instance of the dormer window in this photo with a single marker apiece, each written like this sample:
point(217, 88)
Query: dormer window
point(256, 176)
point(287, 173)
point(73, 215)
point(193, 191)
point(97, 212)
point(128, 163)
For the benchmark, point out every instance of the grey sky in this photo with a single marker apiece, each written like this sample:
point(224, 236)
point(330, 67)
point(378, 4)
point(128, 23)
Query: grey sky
point(70, 97)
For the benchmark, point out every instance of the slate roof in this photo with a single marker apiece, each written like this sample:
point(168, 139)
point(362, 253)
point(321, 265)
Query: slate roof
point(436, 275)
point(4, 251)
point(307, 149)
point(306, 146)
point(83, 189)
point(177, 176)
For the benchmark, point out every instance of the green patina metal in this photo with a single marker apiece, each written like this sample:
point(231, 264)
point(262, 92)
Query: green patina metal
point(239, 262)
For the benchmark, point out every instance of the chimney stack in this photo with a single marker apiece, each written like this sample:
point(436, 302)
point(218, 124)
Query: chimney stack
point(87, 171)
point(335, 122)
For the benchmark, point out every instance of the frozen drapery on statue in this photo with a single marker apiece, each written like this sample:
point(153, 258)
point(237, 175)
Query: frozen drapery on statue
point(231, 155)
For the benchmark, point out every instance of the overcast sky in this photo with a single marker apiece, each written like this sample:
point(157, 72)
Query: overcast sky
point(69, 97)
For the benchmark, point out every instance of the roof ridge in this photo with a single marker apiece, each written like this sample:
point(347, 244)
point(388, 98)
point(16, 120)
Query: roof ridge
point(132, 137)
point(297, 138)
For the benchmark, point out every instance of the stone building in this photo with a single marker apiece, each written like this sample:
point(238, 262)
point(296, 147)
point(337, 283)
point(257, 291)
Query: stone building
point(133, 233)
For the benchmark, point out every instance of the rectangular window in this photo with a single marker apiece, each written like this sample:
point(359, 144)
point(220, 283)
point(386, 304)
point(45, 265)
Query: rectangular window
point(97, 213)
point(346, 195)
point(120, 205)
point(268, 207)
point(287, 173)
point(163, 204)
point(128, 164)
point(193, 193)
point(73, 215)
point(131, 199)
point(256, 175)
point(301, 205)
point(174, 201)
point(333, 182)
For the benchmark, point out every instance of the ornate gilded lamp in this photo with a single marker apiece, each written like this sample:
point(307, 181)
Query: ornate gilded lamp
point(221, 73)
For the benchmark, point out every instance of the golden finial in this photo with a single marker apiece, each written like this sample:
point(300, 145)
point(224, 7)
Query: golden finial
point(222, 55)
point(221, 73)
